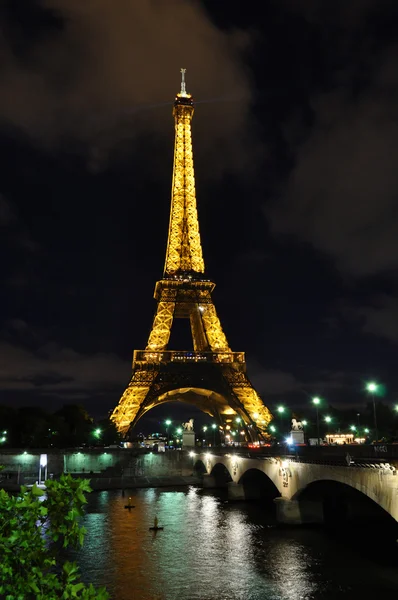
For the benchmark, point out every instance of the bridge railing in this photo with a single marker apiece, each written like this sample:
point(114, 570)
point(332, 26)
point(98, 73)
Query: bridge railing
point(336, 454)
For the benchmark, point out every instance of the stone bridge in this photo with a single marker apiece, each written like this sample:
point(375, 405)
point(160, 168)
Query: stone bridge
point(305, 492)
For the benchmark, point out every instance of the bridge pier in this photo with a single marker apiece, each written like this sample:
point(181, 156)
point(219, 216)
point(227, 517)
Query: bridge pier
point(293, 512)
point(288, 511)
point(236, 491)
point(209, 481)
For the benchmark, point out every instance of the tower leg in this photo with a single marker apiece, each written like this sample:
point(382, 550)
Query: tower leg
point(133, 397)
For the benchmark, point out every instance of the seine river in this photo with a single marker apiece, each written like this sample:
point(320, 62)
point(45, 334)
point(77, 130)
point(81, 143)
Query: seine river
point(213, 550)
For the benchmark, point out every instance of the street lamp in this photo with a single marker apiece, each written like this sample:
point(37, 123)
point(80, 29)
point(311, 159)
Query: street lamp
point(328, 419)
point(214, 427)
point(353, 428)
point(305, 423)
point(316, 401)
point(97, 433)
point(281, 410)
point(372, 388)
point(168, 423)
point(204, 431)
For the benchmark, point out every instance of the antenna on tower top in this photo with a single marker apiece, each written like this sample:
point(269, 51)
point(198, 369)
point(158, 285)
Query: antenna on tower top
point(183, 89)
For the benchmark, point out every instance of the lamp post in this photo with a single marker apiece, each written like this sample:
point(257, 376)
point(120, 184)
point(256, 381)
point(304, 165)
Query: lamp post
point(328, 419)
point(281, 410)
point(372, 388)
point(272, 428)
point(204, 431)
point(179, 432)
point(316, 401)
point(214, 427)
point(168, 423)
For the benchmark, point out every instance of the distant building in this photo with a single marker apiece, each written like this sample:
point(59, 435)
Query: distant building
point(339, 438)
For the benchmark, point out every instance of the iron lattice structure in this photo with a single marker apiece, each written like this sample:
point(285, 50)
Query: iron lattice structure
point(211, 376)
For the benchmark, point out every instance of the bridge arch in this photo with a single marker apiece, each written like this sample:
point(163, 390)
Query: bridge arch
point(221, 475)
point(199, 467)
point(258, 486)
point(340, 504)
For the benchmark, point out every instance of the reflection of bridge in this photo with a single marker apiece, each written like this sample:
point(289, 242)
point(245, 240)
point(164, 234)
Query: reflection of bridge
point(312, 485)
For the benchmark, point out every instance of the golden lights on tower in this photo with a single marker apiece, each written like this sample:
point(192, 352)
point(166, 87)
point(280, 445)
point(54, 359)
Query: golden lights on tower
point(184, 292)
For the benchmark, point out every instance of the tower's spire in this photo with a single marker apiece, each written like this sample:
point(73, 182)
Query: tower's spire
point(184, 250)
point(183, 89)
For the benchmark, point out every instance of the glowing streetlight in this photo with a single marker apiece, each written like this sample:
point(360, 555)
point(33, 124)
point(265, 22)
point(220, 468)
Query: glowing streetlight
point(371, 387)
point(316, 401)
point(97, 433)
point(167, 423)
point(328, 419)
point(305, 423)
point(281, 410)
point(366, 430)
point(238, 419)
point(214, 427)
point(179, 430)
point(273, 428)
point(204, 431)
point(353, 428)
point(396, 408)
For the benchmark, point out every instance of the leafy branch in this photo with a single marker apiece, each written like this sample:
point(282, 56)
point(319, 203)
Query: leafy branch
point(34, 526)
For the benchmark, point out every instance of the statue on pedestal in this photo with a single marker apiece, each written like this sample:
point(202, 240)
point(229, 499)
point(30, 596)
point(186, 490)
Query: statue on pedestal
point(188, 426)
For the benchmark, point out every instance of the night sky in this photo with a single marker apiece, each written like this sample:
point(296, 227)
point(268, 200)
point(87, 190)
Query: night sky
point(296, 163)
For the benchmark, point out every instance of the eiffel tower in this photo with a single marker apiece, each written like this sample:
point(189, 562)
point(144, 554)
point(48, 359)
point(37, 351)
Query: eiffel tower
point(211, 377)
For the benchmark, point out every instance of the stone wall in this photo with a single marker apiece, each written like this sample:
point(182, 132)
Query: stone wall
point(109, 462)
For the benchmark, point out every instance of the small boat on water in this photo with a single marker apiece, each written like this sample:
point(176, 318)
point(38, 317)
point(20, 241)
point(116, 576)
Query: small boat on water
point(129, 504)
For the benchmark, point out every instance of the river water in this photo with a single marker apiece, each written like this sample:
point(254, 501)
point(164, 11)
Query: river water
point(214, 550)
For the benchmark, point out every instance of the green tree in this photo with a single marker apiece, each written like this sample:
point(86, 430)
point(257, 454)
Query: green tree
point(77, 425)
point(34, 526)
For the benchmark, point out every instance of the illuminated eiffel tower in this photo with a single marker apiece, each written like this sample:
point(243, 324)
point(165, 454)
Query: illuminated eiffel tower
point(211, 377)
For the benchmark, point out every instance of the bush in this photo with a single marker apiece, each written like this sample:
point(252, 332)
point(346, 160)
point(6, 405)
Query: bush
point(34, 526)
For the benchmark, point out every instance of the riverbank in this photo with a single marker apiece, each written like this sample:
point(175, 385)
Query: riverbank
point(122, 483)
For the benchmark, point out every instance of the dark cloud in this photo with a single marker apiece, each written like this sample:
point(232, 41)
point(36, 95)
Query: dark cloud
point(7, 215)
point(341, 195)
point(53, 371)
point(379, 316)
point(104, 71)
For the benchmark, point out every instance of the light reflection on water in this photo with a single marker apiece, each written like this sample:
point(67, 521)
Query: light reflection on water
point(211, 550)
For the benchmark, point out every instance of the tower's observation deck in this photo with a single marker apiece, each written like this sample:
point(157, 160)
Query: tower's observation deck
point(210, 375)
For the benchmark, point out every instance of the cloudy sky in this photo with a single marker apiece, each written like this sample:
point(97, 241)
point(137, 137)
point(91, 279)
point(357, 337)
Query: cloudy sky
point(296, 145)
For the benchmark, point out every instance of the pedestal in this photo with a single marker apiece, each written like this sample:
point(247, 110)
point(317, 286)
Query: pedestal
point(297, 436)
point(188, 439)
